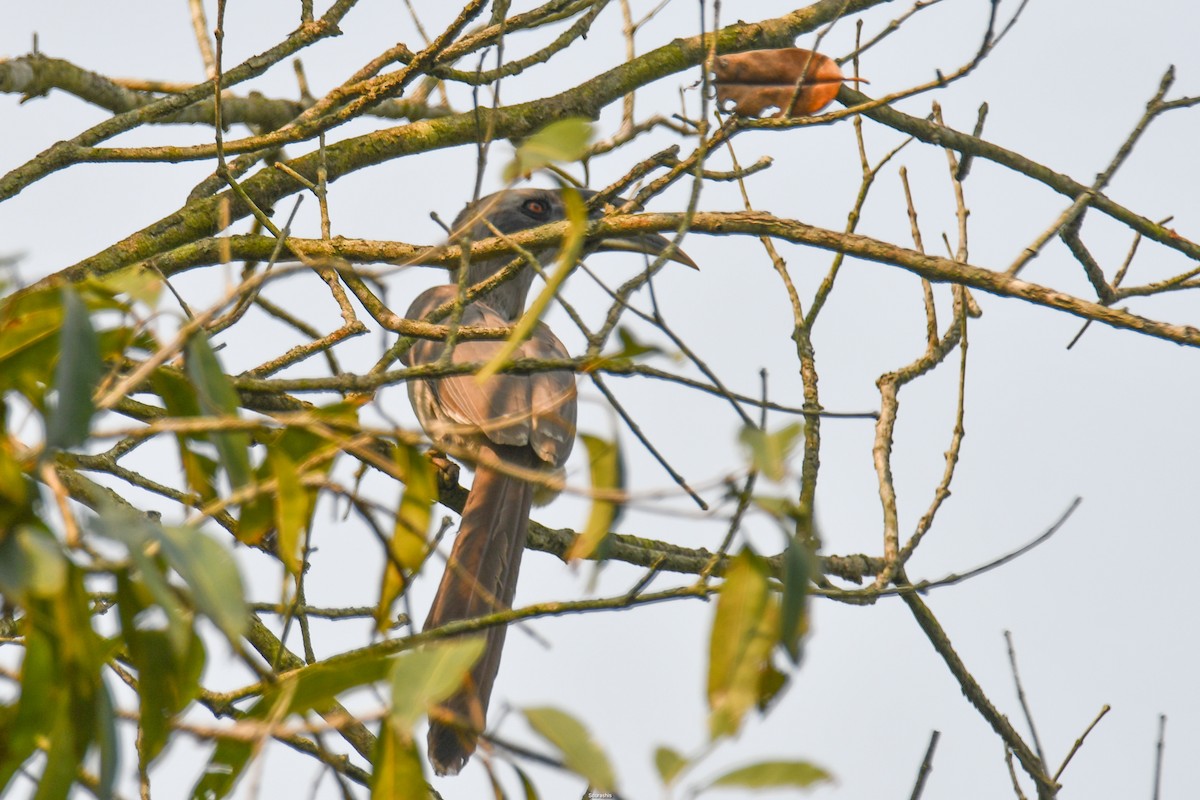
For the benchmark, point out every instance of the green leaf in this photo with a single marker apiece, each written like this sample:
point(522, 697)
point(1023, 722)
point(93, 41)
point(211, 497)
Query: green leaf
point(203, 563)
point(769, 452)
point(296, 692)
point(217, 398)
point(526, 784)
point(107, 742)
point(669, 764)
point(399, 773)
point(32, 564)
point(177, 393)
point(774, 775)
point(210, 571)
point(142, 535)
point(200, 470)
point(580, 753)
point(787, 512)
point(562, 140)
point(793, 617)
point(318, 684)
point(568, 257)
point(409, 543)
point(60, 686)
point(42, 693)
point(631, 347)
point(744, 632)
point(76, 377)
point(59, 773)
point(167, 684)
point(608, 475)
point(168, 676)
point(631, 350)
point(180, 399)
point(425, 677)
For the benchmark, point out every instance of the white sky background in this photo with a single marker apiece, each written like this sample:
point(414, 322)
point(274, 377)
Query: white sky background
point(1102, 613)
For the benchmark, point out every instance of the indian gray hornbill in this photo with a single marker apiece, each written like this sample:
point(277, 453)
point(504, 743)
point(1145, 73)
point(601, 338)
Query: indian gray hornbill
point(524, 420)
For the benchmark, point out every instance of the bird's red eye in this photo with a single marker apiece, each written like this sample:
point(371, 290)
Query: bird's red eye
point(536, 208)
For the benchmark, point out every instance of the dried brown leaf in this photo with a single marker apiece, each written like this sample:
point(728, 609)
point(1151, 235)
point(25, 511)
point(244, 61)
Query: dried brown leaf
point(792, 78)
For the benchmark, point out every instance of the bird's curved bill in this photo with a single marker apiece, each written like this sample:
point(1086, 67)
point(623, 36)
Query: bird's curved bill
point(652, 244)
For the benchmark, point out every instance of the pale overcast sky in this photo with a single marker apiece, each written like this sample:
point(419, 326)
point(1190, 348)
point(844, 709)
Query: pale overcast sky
point(1103, 613)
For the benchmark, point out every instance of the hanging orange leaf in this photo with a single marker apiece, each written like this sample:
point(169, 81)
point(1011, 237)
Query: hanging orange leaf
point(801, 81)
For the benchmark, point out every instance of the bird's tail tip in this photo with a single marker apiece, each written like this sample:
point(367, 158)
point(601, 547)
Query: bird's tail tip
point(448, 752)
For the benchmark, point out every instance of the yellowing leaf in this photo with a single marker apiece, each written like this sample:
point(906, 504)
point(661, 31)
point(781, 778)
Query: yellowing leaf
point(291, 508)
point(399, 773)
point(568, 255)
point(141, 283)
point(409, 543)
point(410, 540)
point(744, 632)
point(669, 763)
point(631, 347)
point(770, 683)
point(16, 497)
point(42, 694)
point(26, 320)
point(774, 775)
point(563, 140)
point(604, 459)
point(64, 744)
point(59, 708)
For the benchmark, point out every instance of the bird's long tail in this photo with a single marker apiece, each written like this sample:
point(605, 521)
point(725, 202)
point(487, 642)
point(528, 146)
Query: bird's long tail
point(480, 579)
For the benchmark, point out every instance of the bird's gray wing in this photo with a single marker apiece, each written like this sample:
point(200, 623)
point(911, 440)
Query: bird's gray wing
point(552, 395)
point(535, 409)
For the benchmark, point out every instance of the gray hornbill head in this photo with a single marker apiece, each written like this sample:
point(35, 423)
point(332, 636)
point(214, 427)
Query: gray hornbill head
point(515, 210)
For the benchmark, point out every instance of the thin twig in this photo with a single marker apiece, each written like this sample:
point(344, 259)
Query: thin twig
point(1154, 107)
point(1012, 774)
point(926, 767)
point(636, 430)
point(200, 28)
point(1079, 742)
point(1012, 661)
point(975, 694)
point(1158, 754)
